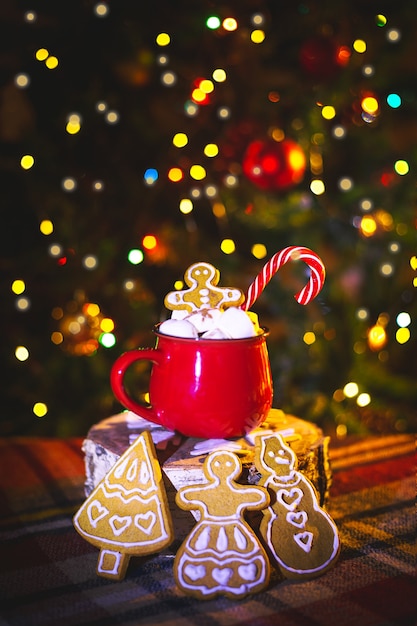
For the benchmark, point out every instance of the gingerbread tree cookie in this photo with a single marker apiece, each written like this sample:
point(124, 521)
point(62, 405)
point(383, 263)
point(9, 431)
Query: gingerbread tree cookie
point(222, 554)
point(127, 514)
point(300, 536)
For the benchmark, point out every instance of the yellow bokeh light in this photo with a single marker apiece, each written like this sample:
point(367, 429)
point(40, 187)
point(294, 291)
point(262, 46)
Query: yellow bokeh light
point(259, 251)
point(402, 335)
point(180, 140)
point(363, 399)
point(377, 337)
point(149, 242)
point(175, 174)
point(317, 187)
point(91, 309)
point(51, 63)
point(22, 80)
point(46, 227)
point(27, 161)
point(107, 325)
point(296, 159)
point(328, 112)
point(359, 45)
point(112, 117)
point(309, 338)
point(368, 226)
point(219, 210)
point(41, 54)
point(163, 39)
point(186, 206)
point(198, 95)
point(40, 409)
point(350, 390)
point(178, 285)
point(69, 184)
point(228, 246)
point(21, 353)
point(370, 105)
point(206, 86)
point(197, 172)
point(57, 338)
point(18, 286)
point(219, 75)
point(257, 36)
point(211, 150)
point(23, 304)
point(72, 129)
point(229, 24)
point(401, 167)
point(341, 431)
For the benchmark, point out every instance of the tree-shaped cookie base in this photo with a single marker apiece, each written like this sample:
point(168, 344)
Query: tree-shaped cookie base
point(127, 514)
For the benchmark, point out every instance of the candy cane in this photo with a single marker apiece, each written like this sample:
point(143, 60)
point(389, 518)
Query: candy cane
point(279, 259)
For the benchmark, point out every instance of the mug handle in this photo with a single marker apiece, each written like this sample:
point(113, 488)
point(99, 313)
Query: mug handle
point(117, 374)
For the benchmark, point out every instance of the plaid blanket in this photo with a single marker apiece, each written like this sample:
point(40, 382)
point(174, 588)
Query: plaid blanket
point(47, 571)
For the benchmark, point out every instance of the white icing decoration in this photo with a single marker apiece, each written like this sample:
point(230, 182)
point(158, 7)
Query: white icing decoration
point(102, 511)
point(297, 518)
point(195, 572)
point(144, 473)
point(240, 539)
point(203, 539)
point(212, 445)
point(247, 572)
point(221, 544)
point(119, 471)
point(119, 524)
point(222, 575)
point(117, 558)
point(304, 540)
point(145, 521)
point(290, 498)
point(132, 471)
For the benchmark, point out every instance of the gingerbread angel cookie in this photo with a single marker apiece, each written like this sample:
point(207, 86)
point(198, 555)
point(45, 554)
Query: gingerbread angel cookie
point(300, 536)
point(222, 554)
point(127, 514)
point(203, 293)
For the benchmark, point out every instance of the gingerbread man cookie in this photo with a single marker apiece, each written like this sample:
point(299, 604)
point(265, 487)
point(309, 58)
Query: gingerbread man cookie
point(127, 514)
point(203, 293)
point(300, 536)
point(222, 554)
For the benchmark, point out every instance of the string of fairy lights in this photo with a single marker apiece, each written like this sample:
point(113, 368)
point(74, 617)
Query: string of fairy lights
point(85, 322)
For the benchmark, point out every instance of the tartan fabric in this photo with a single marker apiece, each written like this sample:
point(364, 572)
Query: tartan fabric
point(47, 571)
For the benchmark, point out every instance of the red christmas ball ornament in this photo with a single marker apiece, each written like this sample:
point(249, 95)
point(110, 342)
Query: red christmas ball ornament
point(322, 57)
point(274, 166)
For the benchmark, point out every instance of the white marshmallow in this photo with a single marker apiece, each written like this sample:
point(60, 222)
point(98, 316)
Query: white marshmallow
point(178, 328)
point(205, 319)
point(215, 333)
point(237, 324)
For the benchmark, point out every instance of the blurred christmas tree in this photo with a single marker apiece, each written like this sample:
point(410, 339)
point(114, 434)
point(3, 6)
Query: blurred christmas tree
point(140, 138)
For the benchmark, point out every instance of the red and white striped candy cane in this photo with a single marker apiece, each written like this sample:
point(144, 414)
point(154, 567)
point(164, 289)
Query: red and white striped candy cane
point(279, 259)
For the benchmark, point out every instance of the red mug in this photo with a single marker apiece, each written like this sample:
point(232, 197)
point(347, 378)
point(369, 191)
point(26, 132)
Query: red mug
point(205, 388)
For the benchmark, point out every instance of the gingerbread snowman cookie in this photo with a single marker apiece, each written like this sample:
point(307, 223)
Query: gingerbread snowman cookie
point(221, 555)
point(301, 537)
